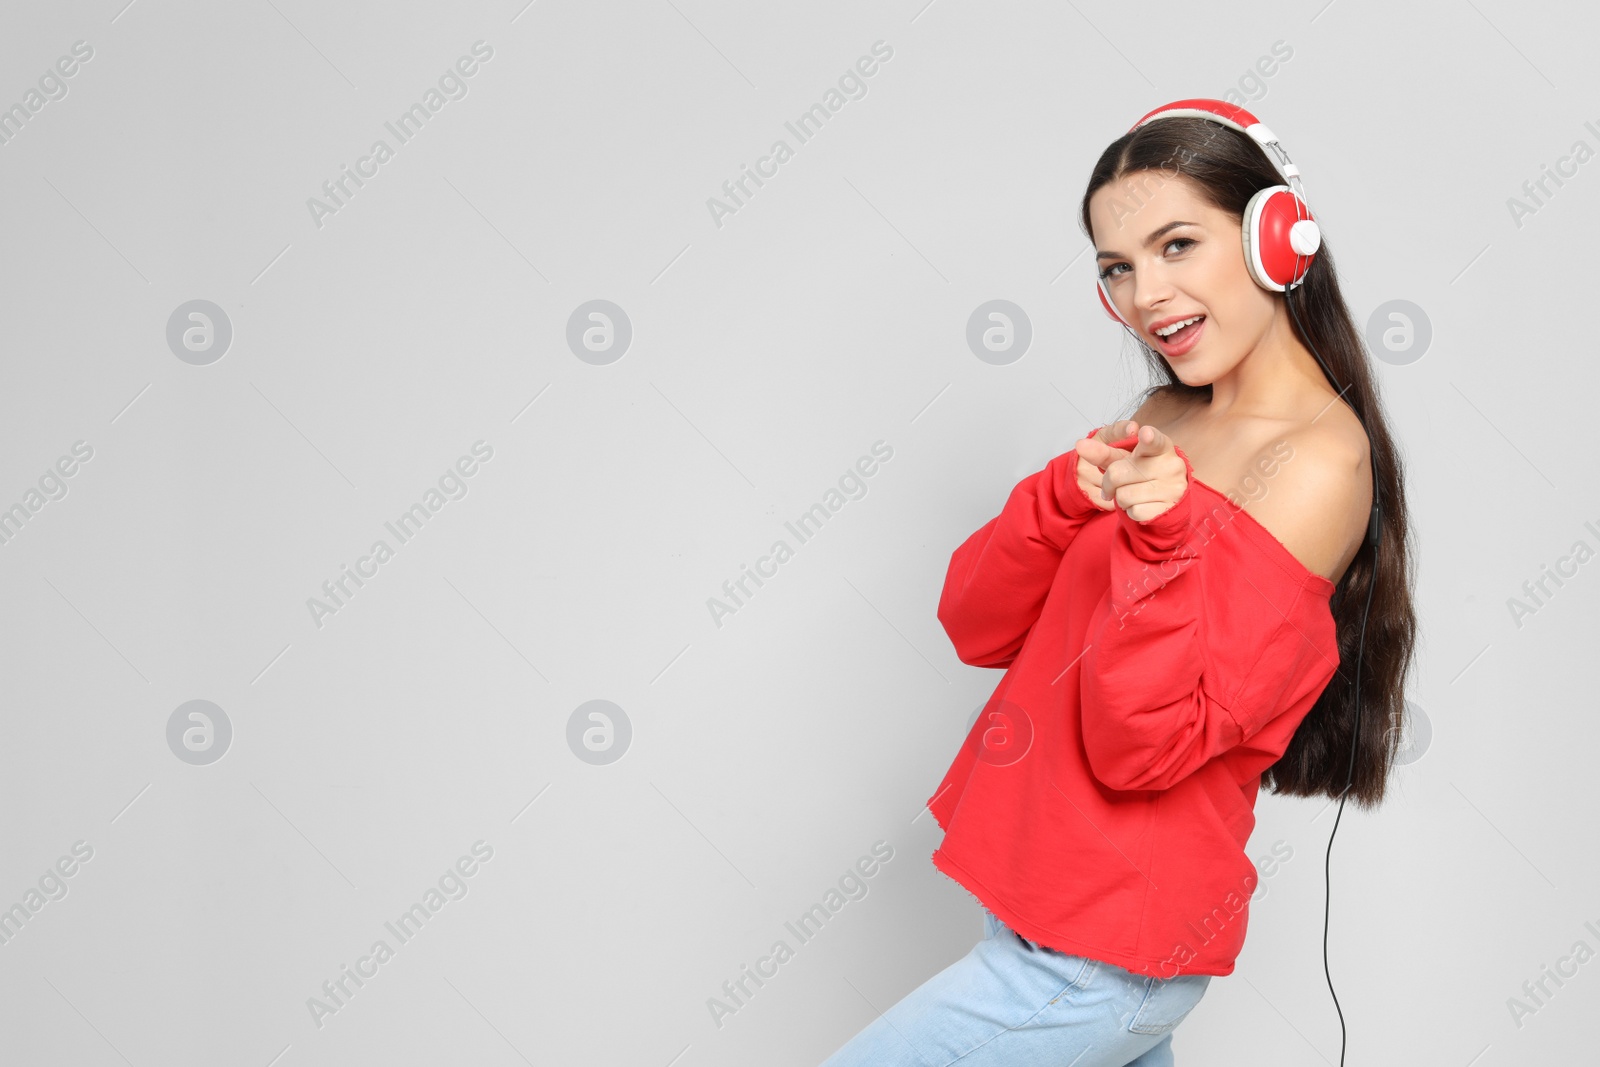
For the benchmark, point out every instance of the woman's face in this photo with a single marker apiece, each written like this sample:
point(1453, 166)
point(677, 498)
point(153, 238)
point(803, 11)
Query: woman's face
point(1169, 256)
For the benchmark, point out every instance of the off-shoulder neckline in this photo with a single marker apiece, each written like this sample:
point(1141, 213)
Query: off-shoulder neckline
point(1269, 540)
point(1266, 538)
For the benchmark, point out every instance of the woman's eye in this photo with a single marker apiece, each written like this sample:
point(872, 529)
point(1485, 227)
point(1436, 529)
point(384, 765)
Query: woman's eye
point(1111, 271)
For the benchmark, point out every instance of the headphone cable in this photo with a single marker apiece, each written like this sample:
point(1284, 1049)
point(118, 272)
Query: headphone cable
point(1374, 530)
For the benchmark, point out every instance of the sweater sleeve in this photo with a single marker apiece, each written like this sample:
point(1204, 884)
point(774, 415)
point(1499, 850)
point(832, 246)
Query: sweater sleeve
point(1210, 632)
point(999, 577)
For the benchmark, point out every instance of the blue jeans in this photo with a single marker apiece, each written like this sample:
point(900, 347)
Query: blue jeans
point(1013, 1002)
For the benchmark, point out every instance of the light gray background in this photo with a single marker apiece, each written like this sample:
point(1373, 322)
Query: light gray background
point(768, 354)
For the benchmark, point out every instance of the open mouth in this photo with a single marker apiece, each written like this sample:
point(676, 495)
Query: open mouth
point(1186, 336)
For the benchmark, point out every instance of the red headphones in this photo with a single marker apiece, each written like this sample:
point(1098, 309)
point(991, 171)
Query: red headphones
point(1281, 237)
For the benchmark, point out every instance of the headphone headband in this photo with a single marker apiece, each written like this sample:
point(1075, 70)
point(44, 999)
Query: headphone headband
point(1234, 117)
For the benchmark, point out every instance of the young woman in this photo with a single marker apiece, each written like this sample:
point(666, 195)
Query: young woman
point(1178, 603)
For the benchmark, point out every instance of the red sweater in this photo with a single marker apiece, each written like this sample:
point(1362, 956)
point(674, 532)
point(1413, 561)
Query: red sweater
point(1101, 803)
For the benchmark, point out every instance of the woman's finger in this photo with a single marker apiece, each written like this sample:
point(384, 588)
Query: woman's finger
point(1102, 447)
point(1148, 443)
point(1152, 443)
point(1115, 431)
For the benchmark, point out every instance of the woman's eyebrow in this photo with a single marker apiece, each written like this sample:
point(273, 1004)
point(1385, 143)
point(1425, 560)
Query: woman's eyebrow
point(1150, 240)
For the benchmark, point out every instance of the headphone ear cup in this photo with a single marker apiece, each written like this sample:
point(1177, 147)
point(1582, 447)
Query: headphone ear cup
point(1275, 222)
point(1105, 302)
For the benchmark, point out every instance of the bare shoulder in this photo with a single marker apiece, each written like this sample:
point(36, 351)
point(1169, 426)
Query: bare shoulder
point(1159, 406)
point(1316, 494)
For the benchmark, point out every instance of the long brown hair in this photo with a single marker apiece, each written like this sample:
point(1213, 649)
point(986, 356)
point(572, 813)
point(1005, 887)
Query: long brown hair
point(1226, 168)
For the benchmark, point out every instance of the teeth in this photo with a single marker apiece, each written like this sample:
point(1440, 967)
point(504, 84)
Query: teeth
point(1168, 331)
